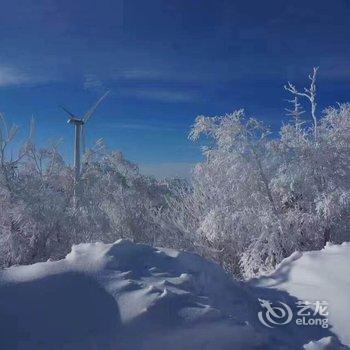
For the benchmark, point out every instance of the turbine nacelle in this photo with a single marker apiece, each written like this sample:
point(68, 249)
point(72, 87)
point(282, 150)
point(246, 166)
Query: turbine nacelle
point(75, 121)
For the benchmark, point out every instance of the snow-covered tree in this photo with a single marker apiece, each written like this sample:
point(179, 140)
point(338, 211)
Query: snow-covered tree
point(256, 199)
point(37, 217)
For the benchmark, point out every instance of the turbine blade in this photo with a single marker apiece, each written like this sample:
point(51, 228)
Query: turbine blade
point(67, 111)
point(32, 128)
point(90, 112)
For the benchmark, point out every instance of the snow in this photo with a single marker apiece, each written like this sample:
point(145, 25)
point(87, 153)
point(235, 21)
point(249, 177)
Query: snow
point(324, 343)
point(318, 275)
point(124, 293)
point(130, 296)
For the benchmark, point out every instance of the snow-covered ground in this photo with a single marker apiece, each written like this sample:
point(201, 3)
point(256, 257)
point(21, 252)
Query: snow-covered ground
point(132, 296)
point(318, 276)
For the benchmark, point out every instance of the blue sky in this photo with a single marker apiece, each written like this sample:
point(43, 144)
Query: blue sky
point(165, 62)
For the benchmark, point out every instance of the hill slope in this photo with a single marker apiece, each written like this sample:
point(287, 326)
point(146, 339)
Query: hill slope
point(132, 296)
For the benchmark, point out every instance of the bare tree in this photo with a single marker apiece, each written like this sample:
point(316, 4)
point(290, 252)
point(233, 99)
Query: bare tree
point(310, 94)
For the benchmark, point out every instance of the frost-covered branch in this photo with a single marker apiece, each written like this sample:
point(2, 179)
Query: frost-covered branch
point(296, 112)
point(308, 93)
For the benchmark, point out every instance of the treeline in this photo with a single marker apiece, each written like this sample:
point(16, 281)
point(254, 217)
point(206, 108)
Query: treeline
point(254, 200)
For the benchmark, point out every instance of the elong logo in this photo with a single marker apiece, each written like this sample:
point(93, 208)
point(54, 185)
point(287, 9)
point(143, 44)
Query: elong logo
point(274, 315)
point(308, 314)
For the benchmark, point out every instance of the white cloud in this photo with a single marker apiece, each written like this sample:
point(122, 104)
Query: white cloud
point(92, 82)
point(10, 76)
point(161, 95)
point(143, 126)
point(141, 74)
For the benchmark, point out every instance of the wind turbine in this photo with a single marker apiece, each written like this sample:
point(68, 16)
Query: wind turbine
point(79, 140)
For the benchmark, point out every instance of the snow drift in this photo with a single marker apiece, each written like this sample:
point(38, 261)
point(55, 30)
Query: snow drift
point(132, 296)
point(318, 275)
point(121, 296)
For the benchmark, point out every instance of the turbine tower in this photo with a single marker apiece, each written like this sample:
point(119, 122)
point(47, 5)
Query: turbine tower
point(79, 140)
